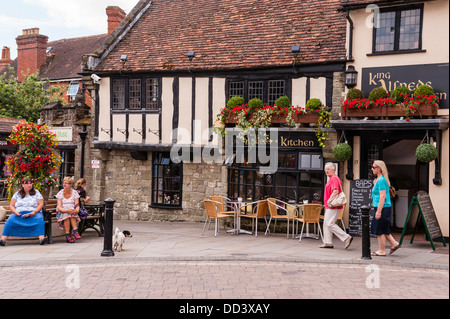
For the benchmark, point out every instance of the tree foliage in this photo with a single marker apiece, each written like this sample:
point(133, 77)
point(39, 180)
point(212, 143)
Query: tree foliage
point(25, 99)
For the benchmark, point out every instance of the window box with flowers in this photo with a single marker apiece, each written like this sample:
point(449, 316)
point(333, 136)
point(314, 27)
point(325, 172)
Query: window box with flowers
point(255, 114)
point(398, 104)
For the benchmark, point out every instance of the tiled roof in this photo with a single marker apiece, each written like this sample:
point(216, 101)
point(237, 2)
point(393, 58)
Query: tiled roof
point(6, 124)
point(64, 60)
point(66, 56)
point(356, 3)
point(231, 34)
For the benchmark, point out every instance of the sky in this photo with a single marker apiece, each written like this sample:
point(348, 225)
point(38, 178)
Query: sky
point(58, 20)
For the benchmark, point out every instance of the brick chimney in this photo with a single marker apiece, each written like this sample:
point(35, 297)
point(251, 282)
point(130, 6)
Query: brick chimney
point(115, 16)
point(6, 58)
point(31, 52)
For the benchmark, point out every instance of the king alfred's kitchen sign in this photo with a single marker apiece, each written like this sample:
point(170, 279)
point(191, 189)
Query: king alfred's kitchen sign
point(411, 76)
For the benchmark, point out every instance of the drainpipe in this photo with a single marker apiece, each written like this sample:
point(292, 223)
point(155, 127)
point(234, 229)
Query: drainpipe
point(350, 40)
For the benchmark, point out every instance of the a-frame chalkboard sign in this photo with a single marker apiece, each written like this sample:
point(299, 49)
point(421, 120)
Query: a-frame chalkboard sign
point(426, 212)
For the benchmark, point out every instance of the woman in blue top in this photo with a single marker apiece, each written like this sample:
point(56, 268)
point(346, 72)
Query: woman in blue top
point(26, 219)
point(381, 223)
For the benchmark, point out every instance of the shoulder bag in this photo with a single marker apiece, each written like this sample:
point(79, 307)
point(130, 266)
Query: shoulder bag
point(340, 199)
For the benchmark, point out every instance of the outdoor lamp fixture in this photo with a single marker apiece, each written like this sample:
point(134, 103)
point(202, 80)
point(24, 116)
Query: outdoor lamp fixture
point(191, 56)
point(123, 59)
point(295, 51)
point(351, 76)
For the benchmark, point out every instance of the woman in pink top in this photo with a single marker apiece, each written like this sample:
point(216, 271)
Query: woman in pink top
point(332, 189)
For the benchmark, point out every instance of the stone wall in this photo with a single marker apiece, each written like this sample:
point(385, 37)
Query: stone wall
point(129, 183)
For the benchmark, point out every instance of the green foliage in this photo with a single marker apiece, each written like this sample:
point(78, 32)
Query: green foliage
point(255, 104)
point(283, 101)
point(314, 105)
point(355, 94)
point(426, 153)
point(342, 152)
point(235, 101)
point(424, 90)
point(377, 93)
point(25, 99)
point(400, 94)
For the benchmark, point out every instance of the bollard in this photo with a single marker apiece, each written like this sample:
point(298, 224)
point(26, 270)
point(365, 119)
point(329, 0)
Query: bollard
point(107, 241)
point(365, 232)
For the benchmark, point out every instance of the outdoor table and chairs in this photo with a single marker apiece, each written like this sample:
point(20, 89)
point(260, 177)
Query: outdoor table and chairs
point(220, 207)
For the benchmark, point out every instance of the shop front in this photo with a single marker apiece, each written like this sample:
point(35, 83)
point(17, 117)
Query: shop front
point(395, 142)
point(298, 176)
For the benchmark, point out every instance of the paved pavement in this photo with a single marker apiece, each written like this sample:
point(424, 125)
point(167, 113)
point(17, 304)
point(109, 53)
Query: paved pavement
point(173, 260)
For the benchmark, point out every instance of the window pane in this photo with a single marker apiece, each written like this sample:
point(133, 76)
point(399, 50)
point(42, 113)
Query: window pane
point(135, 94)
point(409, 29)
point(385, 33)
point(118, 94)
point(256, 90)
point(236, 89)
point(151, 89)
point(276, 90)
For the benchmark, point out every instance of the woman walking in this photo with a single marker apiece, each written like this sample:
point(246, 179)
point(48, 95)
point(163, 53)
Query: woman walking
point(332, 189)
point(381, 223)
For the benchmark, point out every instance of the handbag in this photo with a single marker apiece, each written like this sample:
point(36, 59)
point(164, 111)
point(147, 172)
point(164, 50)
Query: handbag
point(339, 200)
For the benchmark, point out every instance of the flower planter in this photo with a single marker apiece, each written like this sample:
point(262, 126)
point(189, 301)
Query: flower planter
point(399, 110)
point(302, 118)
point(370, 112)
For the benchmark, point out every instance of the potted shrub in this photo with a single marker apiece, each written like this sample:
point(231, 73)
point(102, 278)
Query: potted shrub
point(342, 152)
point(426, 153)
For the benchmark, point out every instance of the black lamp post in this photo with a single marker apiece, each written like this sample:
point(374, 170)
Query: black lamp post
point(83, 135)
point(351, 76)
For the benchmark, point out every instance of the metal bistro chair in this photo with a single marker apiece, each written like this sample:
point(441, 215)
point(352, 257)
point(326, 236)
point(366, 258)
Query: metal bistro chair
point(340, 217)
point(259, 211)
point(212, 213)
point(222, 205)
point(273, 210)
point(311, 215)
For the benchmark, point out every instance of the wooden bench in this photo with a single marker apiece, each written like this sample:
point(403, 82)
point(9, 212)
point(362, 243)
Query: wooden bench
point(94, 220)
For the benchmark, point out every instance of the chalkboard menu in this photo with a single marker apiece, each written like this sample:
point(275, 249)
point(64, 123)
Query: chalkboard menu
point(429, 215)
point(360, 195)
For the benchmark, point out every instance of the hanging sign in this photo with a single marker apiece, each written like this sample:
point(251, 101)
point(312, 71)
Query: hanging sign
point(63, 134)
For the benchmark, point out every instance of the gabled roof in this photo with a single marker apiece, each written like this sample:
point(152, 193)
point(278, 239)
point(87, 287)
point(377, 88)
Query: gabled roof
point(226, 34)
point(6, 124)
point(64, 60)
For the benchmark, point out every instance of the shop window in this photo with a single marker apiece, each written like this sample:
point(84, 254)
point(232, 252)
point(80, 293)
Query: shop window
point(299, 177)
point(399, 29)
point(135, 94)
point(167, 182)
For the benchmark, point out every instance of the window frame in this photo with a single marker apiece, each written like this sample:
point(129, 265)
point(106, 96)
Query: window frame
point(398, 11)
point(142, 95)
point(261, 84)
point(156, 190)
point(71, 93)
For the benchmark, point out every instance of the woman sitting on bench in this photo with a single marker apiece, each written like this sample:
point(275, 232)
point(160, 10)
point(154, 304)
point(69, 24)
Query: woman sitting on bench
point(26, 219)
point(68, 208)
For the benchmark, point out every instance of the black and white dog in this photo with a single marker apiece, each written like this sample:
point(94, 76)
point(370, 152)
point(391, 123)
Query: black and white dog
point(119, 238)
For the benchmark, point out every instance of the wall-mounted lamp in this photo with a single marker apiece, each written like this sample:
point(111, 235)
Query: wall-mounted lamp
point(123, 59)
point(295, 51)
point(191, 56)
point(351, 76)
